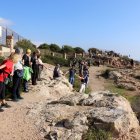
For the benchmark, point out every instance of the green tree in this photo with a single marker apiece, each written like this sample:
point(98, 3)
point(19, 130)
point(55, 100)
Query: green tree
point(79, 50)
point(44, 46)
point(54, 48)
point(25, 44)
point(67, 49)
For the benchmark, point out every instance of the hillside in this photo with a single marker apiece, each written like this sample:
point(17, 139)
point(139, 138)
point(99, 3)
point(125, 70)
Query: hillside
point(51, 110)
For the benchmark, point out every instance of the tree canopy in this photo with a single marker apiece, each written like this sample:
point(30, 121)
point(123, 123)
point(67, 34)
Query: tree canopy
point(54, 48)
point(25, 44)
point(79, 50)
point(67, 49)
point(44, 46)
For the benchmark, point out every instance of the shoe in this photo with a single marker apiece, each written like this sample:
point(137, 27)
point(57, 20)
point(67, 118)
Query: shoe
point(1, 110)
point(5, 105)
point(34, 84)
point(20, 98)
point(15, 100)
point(26, 91)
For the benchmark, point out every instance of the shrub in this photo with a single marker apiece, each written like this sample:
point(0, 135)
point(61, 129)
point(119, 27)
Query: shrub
point(55, 60)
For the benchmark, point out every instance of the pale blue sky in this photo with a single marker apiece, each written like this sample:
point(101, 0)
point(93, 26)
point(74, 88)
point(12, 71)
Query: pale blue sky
point(105, 24)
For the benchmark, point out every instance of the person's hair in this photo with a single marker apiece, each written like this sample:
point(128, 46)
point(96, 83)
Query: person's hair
point(19, 50)
point(14, 57)
point(38, 56)
point(28, 51)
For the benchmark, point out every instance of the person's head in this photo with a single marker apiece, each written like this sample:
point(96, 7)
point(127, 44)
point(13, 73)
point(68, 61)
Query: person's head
point(19, 51)
point(39, 56)
point(28, 51)
point(58, 66)
point(38, 52)
point(72, 66)
point(14, 57)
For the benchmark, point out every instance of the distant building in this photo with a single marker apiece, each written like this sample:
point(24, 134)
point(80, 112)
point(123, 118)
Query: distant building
point(8, 39)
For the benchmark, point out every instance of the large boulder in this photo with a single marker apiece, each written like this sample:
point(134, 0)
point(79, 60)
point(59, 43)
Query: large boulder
point(71, 116)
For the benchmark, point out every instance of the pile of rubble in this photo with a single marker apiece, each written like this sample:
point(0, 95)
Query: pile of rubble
point(126, 78)
point(111, 58)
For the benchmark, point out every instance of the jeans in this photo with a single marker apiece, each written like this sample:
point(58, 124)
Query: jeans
point(25, 85)
point(2, 90)
point(71, 80)
point(83, 88)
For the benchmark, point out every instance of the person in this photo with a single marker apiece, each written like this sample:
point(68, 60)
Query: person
point(34, 68)
point(26, 60)
point(6, 69)
point(84, 80)
point(132, 62)
point(18, 73)
point(72, 73)
point(40, 67)
point(56, 72)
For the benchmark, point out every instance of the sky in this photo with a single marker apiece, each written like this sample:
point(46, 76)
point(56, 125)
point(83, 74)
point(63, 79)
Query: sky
point(104, 24)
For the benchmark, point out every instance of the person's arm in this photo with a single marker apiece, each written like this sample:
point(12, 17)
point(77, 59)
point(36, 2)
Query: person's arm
point(12, 73)
point(2, 66)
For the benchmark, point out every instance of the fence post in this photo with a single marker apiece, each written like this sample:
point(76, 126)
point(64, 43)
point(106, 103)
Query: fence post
point(65, 56)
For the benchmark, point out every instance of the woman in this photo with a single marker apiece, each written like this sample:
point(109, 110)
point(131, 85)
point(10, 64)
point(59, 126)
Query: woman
point(27, 63)
point(6, 69)
point(18, 73)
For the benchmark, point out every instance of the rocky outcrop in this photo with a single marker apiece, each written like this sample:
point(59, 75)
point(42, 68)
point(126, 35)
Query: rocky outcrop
point(72, 115)
point(126, 79)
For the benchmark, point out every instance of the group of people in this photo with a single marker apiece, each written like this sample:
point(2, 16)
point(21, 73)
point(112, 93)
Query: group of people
point(83, 75)
point(19, 66)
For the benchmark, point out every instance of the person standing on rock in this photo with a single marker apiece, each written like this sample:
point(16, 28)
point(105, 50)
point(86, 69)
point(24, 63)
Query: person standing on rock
point(72, 73)
point(34, 68)
point(84, 80)
point(26, 59)
point(18, 74)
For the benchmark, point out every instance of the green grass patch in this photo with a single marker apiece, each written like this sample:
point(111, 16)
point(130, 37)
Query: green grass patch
point(95, 134)
point(132, 98)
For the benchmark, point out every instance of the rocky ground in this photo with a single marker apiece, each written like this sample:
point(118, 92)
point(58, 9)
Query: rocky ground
point(53, 111)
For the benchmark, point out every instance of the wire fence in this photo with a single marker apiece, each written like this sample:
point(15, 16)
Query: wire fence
point(4, 32)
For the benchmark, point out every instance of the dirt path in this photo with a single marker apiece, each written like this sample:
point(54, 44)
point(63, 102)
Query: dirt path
point(14, 123)
point(96, 82)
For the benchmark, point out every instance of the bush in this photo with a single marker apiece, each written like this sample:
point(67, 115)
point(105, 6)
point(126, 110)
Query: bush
point(55, 60)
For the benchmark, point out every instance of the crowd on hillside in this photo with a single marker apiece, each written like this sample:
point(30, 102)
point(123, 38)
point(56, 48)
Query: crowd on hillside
point(20, 68)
